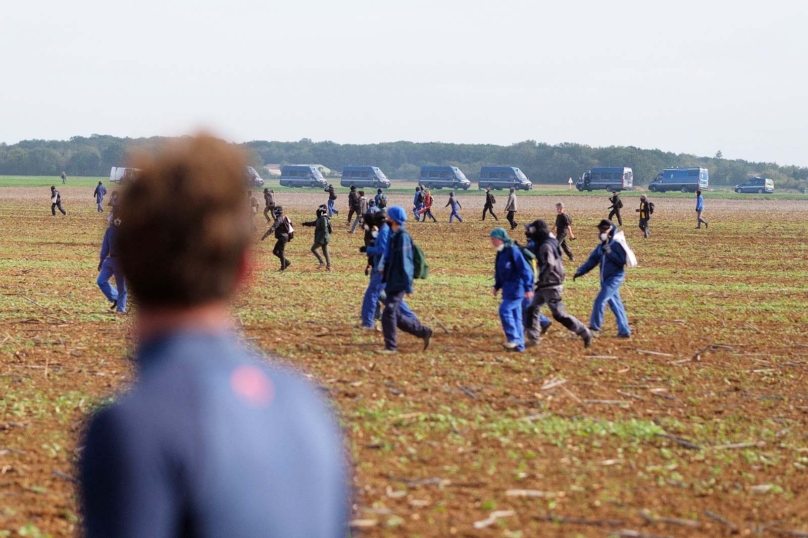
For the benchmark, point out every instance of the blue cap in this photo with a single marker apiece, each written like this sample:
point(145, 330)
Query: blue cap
point(398, 214)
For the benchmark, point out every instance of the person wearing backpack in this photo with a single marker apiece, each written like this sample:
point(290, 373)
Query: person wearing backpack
point(617, 205)
point(353, 203)
point(514, 276)
point(322, 236)
point(284, 232)
point(612, 258)
point(399, 269)
point(381, 199)
point(700, 210)
point(549, 286)
point(490, 201)
point(426, 209)
point(417, 203)
point(510, 207)
point(361, 210)
point(455, 207)
point(332, 199)
point(646, 210)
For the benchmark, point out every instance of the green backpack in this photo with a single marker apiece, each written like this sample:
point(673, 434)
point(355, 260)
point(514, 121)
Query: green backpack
point(420, 267)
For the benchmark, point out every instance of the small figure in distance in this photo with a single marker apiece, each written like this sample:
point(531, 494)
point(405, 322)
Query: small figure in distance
point(212, 439)
point(490, 201)
point(254, 205)
point(700, 210)
point(381, 199)
point(426, 209)
point(332, 198)
point(353, 203)
point(362, 208)
point(514, 276)
point(563, 230)
point(455, 205)
point(64, 178)
point(269, 203)
point(418, 203)
point(56, 201)
point(646, 210)
point(611, 257)
point(617, 205)
point(510, 207)
point(322, 236)
point(98, 194)
point(284, 232)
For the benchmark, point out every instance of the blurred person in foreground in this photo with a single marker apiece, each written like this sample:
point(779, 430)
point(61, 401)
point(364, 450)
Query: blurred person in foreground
point(211, 441)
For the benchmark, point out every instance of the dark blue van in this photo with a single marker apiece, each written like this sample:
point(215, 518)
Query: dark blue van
point(503, 177)
point(364, 176)
point(302, 175)
point(438, 177)
point(680, 179)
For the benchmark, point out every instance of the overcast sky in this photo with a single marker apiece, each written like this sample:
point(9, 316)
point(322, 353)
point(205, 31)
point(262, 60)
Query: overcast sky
point(686, 76)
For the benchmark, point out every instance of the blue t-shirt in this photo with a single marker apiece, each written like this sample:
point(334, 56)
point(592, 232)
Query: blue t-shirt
point(213, 442)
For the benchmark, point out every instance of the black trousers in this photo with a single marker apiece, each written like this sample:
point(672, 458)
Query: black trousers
point(645, 226)
point(351, 214)
point(59, 205)
point(489, 209)
point(393, 320)
point(280, 251)
point(564, 244)
point(615, 212)
point(269, 211)
point(510, 218)
point(552, 298)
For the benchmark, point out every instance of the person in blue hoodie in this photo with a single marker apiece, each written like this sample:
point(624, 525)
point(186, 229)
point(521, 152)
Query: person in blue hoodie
point(98, 194)
point(108, 266)
point(417, 203)
point(611, 257)
point(398, 271)
point(700, 210)
point(514, 276)
point(456, 207)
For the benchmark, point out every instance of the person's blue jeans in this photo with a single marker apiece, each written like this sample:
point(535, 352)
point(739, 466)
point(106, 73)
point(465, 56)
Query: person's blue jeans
point(610, 293)
point(454, 215)
point(415, 211)
point(331, 209)
point(510, 313)
point(100, 202)
point(371, 301)
point(403, 310)
point(109, 269)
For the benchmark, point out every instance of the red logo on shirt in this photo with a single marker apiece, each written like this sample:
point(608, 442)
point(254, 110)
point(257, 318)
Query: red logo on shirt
point(252, 386)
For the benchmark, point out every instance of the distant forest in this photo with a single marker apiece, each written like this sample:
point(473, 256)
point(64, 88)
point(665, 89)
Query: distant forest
point(542, 163)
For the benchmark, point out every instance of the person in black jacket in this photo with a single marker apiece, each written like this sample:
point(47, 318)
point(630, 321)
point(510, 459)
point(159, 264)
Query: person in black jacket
point(56, 202)
point(353, 204)
point(617, 205)
point(645, 216)
point(549, 286)
point(332, 198)
point(269, 203)
point(283, 234)
point(322, 236)
point(489, 203)
point(563, 230)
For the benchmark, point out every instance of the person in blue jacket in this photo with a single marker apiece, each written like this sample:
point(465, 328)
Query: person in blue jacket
point(612, 260)
point(108, 266)
point(375, 251)
point(100, 192)
point(456, 207)
point(700, 210)
point(398, 270)
point(418, 203)
point(514, 277)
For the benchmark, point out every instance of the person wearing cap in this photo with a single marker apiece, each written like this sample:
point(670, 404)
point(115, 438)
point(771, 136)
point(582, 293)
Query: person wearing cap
point(563, 230)
point(514, 276)
point(108, 267)
point(56, 201)
point(455, 207)
point(322, 236)
point(98, 194)
point(645, 216)
point(269, 204)
point(398, 270)
point(510, 207)
point(283, 230)
point(380, 199)
point(611, 257)
point(700, 210)
point(617, 205)
point(489, 203)
point(332, 198)
point(549, 286)
point(418, 203)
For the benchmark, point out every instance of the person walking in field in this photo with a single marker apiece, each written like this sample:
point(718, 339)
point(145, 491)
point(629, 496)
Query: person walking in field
point(510, 207)
point(514, 277)
point(549, 286)
point(375, 250)
point(646, 210)
point(381, 199)
point(700, 210)
point(426, 210)
point(418, 203)
point(617, 205)
point(284, 232)
point(56, 201)
point(269, 204)
point(362, 209)
point(353, 203)
point(611, 257)
point(563, 230)
point(490, 201)
point(332, 199)
point(109, 266)
point(64, 178)
point(98, 194)
point(399, 271)
point(254, 205)
point(322, 236)
point(212, 439)
point(455, 205)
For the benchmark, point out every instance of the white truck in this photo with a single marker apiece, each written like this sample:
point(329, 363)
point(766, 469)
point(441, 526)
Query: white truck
point(121, 175)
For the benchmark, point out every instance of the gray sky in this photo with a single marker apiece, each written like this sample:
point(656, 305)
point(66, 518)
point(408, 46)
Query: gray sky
point(687, 76)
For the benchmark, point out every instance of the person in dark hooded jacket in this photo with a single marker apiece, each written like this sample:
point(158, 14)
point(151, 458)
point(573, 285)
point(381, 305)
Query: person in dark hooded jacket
point(322, 236)
point(549, 285)
point(353, 204)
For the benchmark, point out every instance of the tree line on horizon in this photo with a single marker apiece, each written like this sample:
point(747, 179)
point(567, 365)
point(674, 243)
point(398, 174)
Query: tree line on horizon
point(542, 163)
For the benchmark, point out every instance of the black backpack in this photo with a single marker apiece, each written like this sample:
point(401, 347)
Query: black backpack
point(382, 203)
point(650, 208)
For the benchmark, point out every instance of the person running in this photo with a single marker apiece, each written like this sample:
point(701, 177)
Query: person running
point(700, 210)
point(510, 207)
point(212, 439)
point(284, 232)
point(332, 199)
point(611, 257)
point(563, 230)
point(514, 276)
point(645, 211)
point(550, 286)
point(360, 213)
point(98, 194)
point(490, 201)
point(353, 203)
point(56, 201)
point(374, 249)
point(455, 207)
point(108, 266)
point(269, 204)
point(322, 236)
point(617, 205)
point(64, 178)
point(398, 269)
point(380, 199)
point(417, 203)
point(426, 209)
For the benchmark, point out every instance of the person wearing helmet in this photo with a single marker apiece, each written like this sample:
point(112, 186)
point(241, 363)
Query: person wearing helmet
point(322, 236)
point(269, 204)
point(284, 232)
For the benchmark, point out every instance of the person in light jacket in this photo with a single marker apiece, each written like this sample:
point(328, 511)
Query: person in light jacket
point(700, 210)
point(510, 207)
